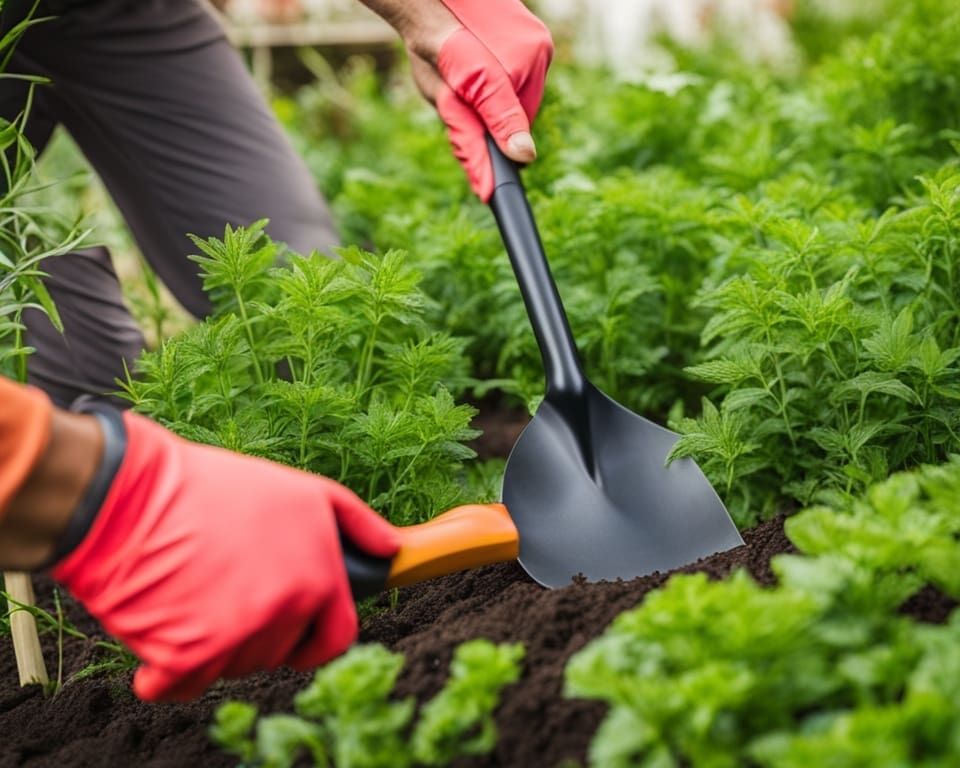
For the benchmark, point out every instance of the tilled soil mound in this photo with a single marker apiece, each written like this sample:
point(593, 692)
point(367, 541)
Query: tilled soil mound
point(98, 722)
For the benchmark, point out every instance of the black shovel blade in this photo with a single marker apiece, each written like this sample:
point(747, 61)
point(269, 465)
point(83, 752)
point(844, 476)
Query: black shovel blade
point(589, 490)
point(587, 483)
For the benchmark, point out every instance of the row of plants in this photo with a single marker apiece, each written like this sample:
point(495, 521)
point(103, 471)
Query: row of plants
point(772, 242)
point(772, 263)
point(347, 718)
point(824, 668)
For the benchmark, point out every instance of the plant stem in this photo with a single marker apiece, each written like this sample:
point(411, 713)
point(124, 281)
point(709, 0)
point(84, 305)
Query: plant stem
point(366, 358)
point(258, 373)
point(60, 623)
point(304, 422)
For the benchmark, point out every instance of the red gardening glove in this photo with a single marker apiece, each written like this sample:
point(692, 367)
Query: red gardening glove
point(210, 564)
point(494, 70)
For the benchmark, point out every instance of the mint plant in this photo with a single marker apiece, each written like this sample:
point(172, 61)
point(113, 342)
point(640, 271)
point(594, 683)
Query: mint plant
point(346, 718)
point(842, 675)
point(322, 364)
point(832, 349)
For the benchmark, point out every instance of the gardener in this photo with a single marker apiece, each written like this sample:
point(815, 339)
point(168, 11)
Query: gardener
point(205, 563)
point(164, 109)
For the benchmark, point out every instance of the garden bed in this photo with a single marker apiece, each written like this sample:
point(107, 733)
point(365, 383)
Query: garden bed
point(98, 721)
point(766, 264)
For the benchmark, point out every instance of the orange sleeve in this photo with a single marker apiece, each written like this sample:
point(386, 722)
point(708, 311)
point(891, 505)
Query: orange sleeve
point(25, 418)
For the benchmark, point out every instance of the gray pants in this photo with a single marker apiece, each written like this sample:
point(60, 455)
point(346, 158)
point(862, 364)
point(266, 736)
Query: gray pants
point(165, 111)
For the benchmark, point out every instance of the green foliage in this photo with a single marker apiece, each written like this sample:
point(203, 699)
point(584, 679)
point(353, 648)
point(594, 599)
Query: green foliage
point(322, 364)
point(906, 527)
point(29, 233)
point(820, 30)
point(459, 720)
point(112, 659)
point(607, 238)
point(783, 245)
point(345, 717)
point(820, 669)
point(833, 349)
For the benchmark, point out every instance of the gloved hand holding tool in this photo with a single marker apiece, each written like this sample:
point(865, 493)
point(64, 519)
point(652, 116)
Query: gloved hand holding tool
point(483, 64)
point(206, 563)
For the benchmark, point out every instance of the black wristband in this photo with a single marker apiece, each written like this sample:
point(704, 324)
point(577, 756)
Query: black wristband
point(114, 448)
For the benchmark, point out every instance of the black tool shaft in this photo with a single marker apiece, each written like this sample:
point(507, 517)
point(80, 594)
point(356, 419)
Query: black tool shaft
point(367, 573)
point(561, 362)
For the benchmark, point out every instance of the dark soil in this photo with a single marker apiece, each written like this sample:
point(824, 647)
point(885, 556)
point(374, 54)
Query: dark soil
point(98, 722)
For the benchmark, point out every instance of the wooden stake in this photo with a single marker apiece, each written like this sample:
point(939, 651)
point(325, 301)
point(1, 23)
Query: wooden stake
point(23, 627)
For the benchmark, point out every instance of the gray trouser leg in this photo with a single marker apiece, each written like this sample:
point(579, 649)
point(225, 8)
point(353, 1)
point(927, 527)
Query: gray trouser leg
point(99, 333)
point(167, 114)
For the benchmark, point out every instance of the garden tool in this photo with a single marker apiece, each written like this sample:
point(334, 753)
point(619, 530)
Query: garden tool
point(587, 483)
point(463, 537)
point(587, 490)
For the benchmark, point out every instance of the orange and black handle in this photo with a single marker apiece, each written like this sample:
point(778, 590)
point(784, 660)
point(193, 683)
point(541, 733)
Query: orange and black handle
point(461, 538)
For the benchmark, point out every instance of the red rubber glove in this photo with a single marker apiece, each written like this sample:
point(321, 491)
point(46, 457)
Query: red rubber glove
point(210, 564)
point(494, 71)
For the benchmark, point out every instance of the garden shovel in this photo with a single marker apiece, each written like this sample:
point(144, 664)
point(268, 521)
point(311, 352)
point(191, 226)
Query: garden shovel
point(587, 483)
point(586, 489)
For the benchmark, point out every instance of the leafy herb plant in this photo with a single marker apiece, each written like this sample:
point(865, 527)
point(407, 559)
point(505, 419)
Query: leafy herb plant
point(821, 669)
point(758, 239)
point(832, 348)
point(29, 233)
point(346, 718)
point(322, 364)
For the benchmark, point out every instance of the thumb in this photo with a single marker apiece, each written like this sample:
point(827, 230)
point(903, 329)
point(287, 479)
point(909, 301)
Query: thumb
point(477, 77)
point(360, 524)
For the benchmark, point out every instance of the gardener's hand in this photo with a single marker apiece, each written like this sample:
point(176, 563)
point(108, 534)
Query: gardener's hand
point(209, 564)
point(483, 64)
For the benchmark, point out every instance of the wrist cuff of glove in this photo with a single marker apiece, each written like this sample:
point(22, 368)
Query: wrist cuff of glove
point(114, 448)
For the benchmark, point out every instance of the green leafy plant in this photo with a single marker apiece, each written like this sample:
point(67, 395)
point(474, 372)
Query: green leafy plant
point(345, 717)
point(842, 676)
point(832, 349)
point(906, 526)
point(113, 656)
point(630, 188)
point(326, 365)
point(29, 233)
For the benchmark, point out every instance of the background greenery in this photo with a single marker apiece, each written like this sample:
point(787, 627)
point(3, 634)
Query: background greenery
point(764, 260)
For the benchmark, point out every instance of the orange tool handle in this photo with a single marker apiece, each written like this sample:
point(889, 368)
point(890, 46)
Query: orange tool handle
point(463, 537)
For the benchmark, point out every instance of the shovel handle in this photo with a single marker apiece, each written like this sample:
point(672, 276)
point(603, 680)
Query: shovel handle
point(518, 229)
point(463, 537)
